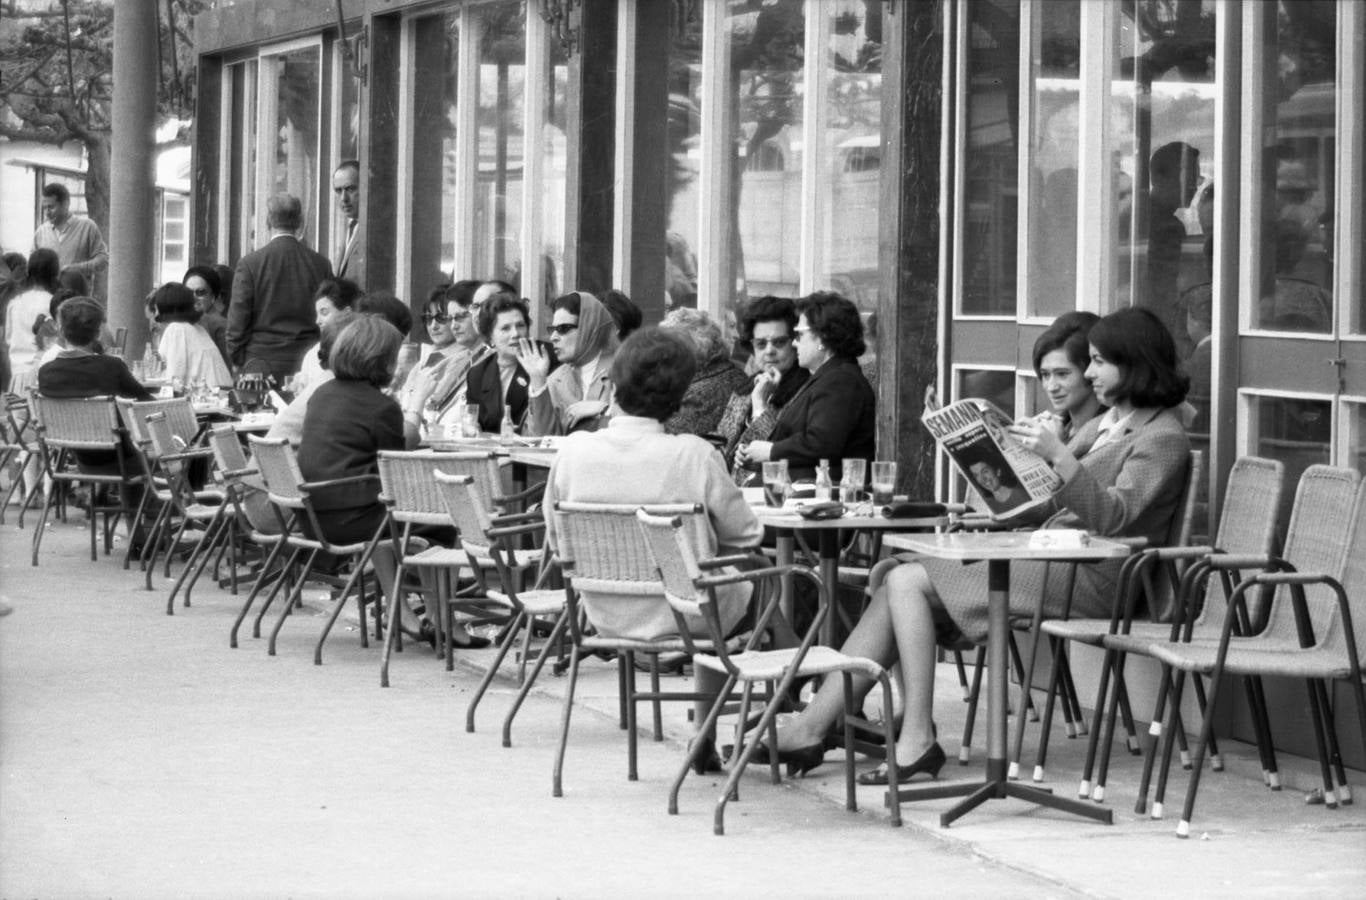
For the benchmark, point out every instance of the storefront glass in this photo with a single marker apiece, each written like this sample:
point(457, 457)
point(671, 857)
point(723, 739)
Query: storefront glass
point(1053, 170)
point(684, 130)
point(293, 166)
point(497, 213)
point(436, 50)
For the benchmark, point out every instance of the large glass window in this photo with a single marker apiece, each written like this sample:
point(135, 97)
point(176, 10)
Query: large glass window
point(991, 158)
point(497, 209)
point(294, 95)
point(554, 97)
point(239, 164)
point(436, 48)
point(764, 57)
point(684, 131)
point(1295, 430)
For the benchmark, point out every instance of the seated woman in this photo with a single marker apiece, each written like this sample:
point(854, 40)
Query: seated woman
point(716, 379)
point(498, 382)
point(833, 415)
point(1127, 483)
point(289, 422)
point(209, 298)
point(633, 460)
point(768, 327)
point(348, 421)
point(437, 387)
point(186, 349)
point(332, 295)
point(25, 308)
point(578, 395)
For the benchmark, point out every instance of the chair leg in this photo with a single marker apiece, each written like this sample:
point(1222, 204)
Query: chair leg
point(962, 675)
point(1026, 683)
point(556, 633)
point(261, 580)
point(1330, 734)
point(850, 795)
point(632, 745)
point(656, 705)
point(42, 521)
point(1050, 700)
point(293, 597)
point(557, 784)
point(391, 632)
point(355, 581)
point(1168, 740)
point(707, 727)
point(1154, 736)
point(133, 522)
point(1321, 722)
point(203, 549)
point(1183, 828)
point(504, 647)
point(282, 584)
point(979, 663)
point(153, 545)
point(766, 721)
point(1108, 663)
point(215, 545)
point(893, 797)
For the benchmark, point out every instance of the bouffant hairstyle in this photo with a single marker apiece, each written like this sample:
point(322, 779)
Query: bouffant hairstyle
point(1068, 333)
point(209, 275)
point(80, 320)
point(835, 321)
point(366, 350)
point(709, 344)
point(501, 303)
point(389, 308)
point(343, 292)
point(175, 303)
point(335, 324)
point(43, 269)
point(651, 371)
point(766, 309)
point(1135, 340)
point(624, 312)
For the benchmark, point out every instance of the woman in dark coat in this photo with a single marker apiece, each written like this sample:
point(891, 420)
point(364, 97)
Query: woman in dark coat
point(717, 378)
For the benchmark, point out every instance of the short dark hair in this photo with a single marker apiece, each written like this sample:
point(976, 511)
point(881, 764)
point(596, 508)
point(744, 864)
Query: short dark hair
point(175, 303)
point(388, 307)
point(1068, 333)
point(624, 312)
point(348, 164)
point(1135, 340)
point(225, 276)
point(568, 302)
point(335, 324)
point(74, 281)
point(59, 296)
point(43, 269)
point(766, 309)
point(80, 319)
point(343, 292)
point(836, 321)
point(210, 276)
point(501, 303)
point(366, 350)
point(461, 293)
point(651, 372)
point(57, 192)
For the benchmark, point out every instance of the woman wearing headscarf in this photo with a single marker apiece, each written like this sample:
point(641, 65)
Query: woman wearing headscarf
point(577, 395)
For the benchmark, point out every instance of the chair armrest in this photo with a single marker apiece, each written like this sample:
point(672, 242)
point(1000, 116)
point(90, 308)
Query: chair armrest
point(1170, 554)
point(1300, 578)
point(241, 473)
point(515, 518)
point(507, 530)
point(190, 453)
point(754, 575)
point(1245, 561)
point(532, 493)
point(310, 486)
point(717, 562)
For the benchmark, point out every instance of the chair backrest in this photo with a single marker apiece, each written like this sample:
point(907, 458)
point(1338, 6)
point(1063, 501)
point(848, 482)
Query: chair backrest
point(229, 457)
point(1353, 582)
point(408, 484)
point(1316, 540)
point(228, 454)
point(87, 423)
point(279, 469)
point(179, 414)
point(165, 444)
point(1161, 598)
point(602, 549)
point(675, 561)
point(466, 509)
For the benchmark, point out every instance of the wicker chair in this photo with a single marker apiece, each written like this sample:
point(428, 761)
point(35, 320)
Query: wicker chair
point(16, 450)
point(487, 538)
point(66, 426)
point(689, 591)
point(289, 494)
point(1316, 624)
point(1252, 499)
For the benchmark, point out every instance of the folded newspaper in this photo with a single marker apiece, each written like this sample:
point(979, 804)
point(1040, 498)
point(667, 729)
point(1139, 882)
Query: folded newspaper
point(1009, 477)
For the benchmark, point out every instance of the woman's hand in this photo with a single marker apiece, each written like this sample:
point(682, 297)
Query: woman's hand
point(765, 383)
point(754, 452)
point(1042, 439)
point(532, 357)
point(423, 385)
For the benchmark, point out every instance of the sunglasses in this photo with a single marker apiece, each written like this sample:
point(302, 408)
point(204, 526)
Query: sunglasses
point(564, 329)
point(201, 292)
point(776, 343)
point(440, 320)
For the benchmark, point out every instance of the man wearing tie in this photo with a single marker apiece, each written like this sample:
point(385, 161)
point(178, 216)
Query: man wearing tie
point(346, 186)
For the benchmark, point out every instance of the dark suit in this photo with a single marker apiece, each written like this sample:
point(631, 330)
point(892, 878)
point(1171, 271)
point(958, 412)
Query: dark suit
point(832, 416)
point(484, 386)
point(271, 318)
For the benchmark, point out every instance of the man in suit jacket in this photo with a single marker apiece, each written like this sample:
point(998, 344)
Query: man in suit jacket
point(346, 187)
point(271, 321)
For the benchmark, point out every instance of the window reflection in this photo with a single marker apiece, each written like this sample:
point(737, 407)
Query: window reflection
point(295, 165)
point(1355, 422)
point(1053, 193)
point(553, 150)
point(1297, 177)
point(684, 130)
point(241, 162)
point(436, 48)
point(498, 188)
point(765, 51)
point(1295, 430)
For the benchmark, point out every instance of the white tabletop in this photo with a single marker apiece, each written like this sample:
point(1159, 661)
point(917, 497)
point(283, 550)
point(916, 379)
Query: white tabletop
point(985, 545)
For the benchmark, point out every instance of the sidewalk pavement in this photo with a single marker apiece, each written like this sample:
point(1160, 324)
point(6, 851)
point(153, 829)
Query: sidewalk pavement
point(141, 757)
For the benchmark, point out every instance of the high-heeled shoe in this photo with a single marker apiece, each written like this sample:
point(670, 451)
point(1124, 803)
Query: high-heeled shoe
point(471, 642)
point(425, 634)
point(705, 759)
point(931, 761)
point(799, 760)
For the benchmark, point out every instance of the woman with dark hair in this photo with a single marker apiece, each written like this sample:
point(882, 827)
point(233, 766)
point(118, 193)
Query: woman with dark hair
point(436, 391)
point(1127, 482)
point(633, 460)
point(289, 422)
point(498, 381)
point(717, 377)
point(332, 294)
point(186, 349)
point(832, 416)
point(577, 395)
point(23, 310)
point(1061, 356)
point(624, 312)
point(768, 330)
point(204, 283)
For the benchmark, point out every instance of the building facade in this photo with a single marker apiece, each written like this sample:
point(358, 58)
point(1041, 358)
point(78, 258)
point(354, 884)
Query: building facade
point(964, 170)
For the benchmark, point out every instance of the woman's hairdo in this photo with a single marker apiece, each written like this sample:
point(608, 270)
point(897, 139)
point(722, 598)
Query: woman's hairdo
point(175, 303)
point(332, 328)
point(766, 309)
point(366, 350)
point(835, 321)
point(1135, 340)
point(210, 276)
point(1070, 334)
point(709, 344)
point(79, 320)
point(568, 302)
point(501, 303)
point(343, 292)
point(651, 371)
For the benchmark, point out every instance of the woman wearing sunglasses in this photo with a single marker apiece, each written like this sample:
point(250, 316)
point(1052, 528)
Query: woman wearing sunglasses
point(578, 395)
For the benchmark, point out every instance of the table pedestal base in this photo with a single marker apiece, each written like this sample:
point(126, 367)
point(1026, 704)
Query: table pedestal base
point(998, 787)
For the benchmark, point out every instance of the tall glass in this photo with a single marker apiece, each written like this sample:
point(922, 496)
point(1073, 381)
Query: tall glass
point(855, 472)
point(884, 482)
point(470, 420)
point(776, 482)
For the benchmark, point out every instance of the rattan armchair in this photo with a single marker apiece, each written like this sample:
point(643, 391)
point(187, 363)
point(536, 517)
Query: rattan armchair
point(206, 511)
point(18, 446)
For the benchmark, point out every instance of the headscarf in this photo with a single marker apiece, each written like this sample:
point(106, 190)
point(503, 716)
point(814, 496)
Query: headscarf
point(597, 329)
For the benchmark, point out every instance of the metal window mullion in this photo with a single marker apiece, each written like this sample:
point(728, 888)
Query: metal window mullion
point(1095, 180)
point(1349, 232)
point(267, 101)
point(950, 199)
point(959, 133)
point(623, 194)
point(537, 42)
point(813, 242)
point(1031, 30)
point(1227, 155)
point(225, 129)
point(1250, 173)
point(713, 177)
point(403, 214)
point(466, 141)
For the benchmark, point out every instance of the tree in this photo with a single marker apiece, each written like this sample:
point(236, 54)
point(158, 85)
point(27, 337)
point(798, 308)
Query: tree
point(56, 78)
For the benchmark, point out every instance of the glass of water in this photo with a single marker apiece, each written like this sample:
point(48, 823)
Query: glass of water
point(884, 482)
point(776, 482)
point(855, 472)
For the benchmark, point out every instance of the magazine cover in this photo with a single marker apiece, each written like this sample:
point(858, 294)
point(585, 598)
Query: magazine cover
point(1008, 477)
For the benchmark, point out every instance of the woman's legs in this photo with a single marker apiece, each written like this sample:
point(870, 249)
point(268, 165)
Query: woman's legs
point(914, 632)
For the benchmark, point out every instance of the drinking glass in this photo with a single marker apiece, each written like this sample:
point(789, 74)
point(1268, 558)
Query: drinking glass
point(471, 420)
point(855, 473)
point(776, 482)
point(884, 482)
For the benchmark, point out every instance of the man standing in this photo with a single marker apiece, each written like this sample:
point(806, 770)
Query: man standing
point(76, 240)
point(270, 319)
point(346, 187)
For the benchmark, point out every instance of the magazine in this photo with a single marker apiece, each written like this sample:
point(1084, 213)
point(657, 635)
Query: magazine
point(1008, 477)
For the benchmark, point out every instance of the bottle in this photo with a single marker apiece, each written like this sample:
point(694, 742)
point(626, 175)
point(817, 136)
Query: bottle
point(506, 430)
point(825, 489)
